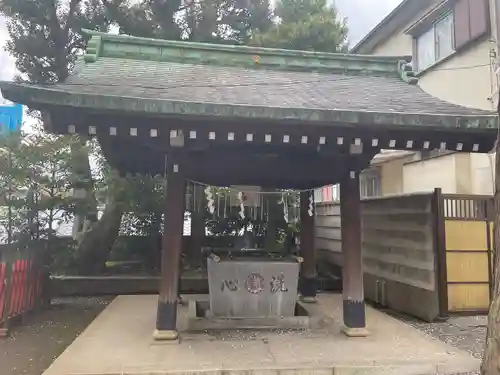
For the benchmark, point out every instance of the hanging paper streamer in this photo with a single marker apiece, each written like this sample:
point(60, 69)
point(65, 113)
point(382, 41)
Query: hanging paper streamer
point(242, 205)
point(311, 202)
point(210, 200)
point(285, 208)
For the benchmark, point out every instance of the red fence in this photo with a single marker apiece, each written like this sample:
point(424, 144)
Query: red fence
point(23, 282)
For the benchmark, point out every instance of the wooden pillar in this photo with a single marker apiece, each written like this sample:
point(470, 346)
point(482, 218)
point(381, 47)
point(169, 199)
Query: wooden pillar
point(166, 321)
point(352, 267)
point(308, 279)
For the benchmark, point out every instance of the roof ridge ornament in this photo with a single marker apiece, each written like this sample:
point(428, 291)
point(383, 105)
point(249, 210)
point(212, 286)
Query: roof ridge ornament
point(405, 69)
point(93, 49)
point(120, 46)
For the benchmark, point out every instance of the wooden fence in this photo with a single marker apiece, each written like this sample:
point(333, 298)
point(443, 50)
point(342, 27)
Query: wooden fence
point(428, 255)
point(23, 282)
point(467, 243)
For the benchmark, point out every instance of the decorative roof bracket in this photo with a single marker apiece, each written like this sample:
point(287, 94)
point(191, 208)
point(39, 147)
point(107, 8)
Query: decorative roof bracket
point(93, 49)
point(407, 73)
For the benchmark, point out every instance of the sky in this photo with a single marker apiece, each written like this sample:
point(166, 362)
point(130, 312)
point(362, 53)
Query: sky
point(362, 16)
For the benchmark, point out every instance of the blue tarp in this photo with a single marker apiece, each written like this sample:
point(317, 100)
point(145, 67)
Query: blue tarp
point(11, 118)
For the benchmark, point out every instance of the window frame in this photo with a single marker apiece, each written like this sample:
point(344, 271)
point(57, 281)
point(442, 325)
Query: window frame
point(445, 16)
point(370, 183)
point(436, 60)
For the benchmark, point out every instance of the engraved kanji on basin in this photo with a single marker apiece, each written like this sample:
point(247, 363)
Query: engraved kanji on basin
point(254, 283)
point(241, 287)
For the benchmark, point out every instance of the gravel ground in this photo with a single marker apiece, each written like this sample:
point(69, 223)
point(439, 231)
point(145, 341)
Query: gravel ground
point(466, 333)
point(32, 347)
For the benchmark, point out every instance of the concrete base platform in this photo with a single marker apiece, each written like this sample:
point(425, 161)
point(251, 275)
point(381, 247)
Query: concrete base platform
point(199, 321)
point(120, 341)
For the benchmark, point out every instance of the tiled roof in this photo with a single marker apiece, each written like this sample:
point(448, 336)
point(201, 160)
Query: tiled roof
point(255, 87)
point(124, 73)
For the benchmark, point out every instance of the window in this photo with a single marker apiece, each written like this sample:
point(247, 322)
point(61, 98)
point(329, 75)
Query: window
point(327, 194)
point(436, 43)
point(448, 27)
point(335, 193)
point(425, 50)
point(370, 184)
point(444, 37)
point(318, 196)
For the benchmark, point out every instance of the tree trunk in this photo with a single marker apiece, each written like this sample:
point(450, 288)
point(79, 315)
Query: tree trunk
point(491, 357)
point(96, 242)
point(83, 188)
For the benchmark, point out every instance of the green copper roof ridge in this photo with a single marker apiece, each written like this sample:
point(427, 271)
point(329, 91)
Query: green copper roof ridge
point(121, 38)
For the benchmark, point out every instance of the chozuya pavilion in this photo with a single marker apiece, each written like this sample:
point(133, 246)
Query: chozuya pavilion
point(233, 115)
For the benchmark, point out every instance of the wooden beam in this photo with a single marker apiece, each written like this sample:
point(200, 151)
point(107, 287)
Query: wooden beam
point(298, 169)
point(166, 323)
point(326, 137)
point(352, 270)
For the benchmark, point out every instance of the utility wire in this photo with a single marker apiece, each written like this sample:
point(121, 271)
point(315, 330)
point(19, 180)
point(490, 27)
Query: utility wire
point(461, 67)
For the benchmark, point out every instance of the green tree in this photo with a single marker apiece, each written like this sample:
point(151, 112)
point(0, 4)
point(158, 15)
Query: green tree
point(45, 40)
point(46, 158)
point(310, 25)
point(10, 188)
point(45, 35)
point(210, 21)
point(35, 183)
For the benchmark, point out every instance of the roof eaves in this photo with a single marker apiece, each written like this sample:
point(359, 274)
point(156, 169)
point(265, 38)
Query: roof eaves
point(427, 19)
point(40, 96)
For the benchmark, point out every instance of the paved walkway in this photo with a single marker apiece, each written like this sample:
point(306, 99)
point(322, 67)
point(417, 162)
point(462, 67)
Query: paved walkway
point(120, 341)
